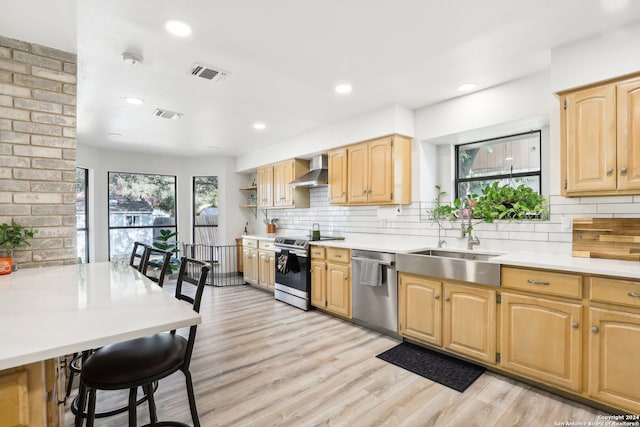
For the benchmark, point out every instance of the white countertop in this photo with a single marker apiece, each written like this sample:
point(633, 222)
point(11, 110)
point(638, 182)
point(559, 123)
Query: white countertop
point(550, 261)
point(52, 311)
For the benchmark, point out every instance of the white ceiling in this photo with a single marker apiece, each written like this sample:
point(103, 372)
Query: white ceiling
point(286, 56)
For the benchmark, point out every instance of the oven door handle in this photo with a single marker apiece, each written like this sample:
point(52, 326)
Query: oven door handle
point(301, 254)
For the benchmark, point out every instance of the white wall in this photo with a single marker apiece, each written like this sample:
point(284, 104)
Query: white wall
point(100, 162)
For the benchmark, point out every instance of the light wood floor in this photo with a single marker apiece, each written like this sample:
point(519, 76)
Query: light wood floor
point(259, 362)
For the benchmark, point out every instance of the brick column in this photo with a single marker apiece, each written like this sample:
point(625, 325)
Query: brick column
point(38, 148)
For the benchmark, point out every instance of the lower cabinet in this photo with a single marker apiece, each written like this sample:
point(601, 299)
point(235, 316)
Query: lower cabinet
point(541, 339)
point(469, 321)
point(463, 321)
point(266, 269)
point(420, 308)
point(29, 395)
point(259, 263)
point(614, 346)
point(331, 280)
point(250, 265)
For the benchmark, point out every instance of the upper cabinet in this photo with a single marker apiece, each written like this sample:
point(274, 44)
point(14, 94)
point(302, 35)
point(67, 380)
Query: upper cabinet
point(374, 172)
point(600, 139)
point(273, 185)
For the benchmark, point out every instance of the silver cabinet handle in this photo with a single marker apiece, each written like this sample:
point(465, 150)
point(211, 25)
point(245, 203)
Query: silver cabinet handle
point(447, 298)
point(623, 170)
point(634, 294)
point(595, 329)
point(609, 171)
point(437, 297)
point(575, 325)
point(538, 282)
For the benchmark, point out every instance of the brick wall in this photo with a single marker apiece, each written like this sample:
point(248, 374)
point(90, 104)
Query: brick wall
point(38, 148)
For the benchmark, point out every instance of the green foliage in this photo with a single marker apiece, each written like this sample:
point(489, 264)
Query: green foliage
point(442, 212)
point(167, 241)
point(14, 236)
point(157, 190)
point(509, 203)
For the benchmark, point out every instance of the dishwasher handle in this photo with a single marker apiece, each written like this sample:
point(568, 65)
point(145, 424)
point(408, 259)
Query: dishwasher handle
point(385, 263)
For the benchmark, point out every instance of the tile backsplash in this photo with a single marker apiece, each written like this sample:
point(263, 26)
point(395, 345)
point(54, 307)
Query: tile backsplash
point(554, 235)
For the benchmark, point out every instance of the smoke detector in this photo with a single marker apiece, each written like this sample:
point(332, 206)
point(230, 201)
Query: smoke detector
point(167, 114)
point(132, 58)
point(209, 73)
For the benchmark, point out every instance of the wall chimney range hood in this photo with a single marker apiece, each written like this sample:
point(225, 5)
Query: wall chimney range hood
point(317, 175)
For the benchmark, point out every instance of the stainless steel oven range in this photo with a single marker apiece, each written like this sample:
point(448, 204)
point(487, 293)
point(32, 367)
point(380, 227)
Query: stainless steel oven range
point(293, 271)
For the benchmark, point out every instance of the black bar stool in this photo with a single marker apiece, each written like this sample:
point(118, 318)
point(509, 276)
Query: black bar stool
point(142, 361)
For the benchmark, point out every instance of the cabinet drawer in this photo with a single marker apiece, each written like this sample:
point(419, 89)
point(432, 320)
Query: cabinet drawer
point(544, 282)
point(339, 255)
point(614, 291)
point(317, 252)
point(250, 243)
point(265, 244)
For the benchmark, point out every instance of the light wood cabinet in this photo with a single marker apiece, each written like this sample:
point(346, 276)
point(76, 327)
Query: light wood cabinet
point(377, 172)
point(273, 185)
point(331, 280)
point(469, 320)
point(265, 187)
point(29, 395)
point(338, 176)
point(542, 339)
point(600, 142)
point(614, 345)
point(266, 269)
point(250, 262)
point(420, 308)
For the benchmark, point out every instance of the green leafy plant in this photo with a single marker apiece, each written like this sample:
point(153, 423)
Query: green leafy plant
point(509, 203)
point(167, 241)
point(442, 211)
point(14, 236)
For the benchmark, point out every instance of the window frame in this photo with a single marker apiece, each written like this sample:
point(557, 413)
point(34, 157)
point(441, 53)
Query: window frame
point(193, 207)
point(175, 208)
point(498, 177)
point(85, 229)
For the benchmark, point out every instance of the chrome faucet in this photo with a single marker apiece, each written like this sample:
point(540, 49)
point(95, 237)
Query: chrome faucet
point(467, 230)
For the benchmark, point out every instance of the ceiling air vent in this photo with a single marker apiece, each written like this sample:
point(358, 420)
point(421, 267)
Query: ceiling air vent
point(208, 73)
point(166, 114)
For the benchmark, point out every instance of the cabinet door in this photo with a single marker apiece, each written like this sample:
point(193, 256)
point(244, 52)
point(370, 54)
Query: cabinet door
point(251, 266)
point(590, 139)
point(541, 339)
point(283, 174)
point(357, 170)
point(318, 283)
point(380, 172)
point(628, 98)
point(265, 187)
point(266, 269)
point(614, 345)
point(339, 289)
point(420, 308)
point(338, 176)
point(470, 321)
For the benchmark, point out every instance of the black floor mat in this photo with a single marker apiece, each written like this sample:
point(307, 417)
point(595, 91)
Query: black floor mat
point(450, 372)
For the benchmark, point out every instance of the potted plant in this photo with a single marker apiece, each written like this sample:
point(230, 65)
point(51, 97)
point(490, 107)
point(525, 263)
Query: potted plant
point(13, 236)
point(166, 241)
point(510, 203)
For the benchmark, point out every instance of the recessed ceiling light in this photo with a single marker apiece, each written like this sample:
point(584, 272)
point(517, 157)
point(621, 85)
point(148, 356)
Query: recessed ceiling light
point(343, 88)
point(133, 100)
point(114, 135)
point(466, 87)
point(259, 126)
point(178, 28)
point(212, 147)
point(132, 58)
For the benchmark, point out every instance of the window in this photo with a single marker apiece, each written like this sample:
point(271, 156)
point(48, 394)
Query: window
point(205, 210)
point(140, 206)
point(513, 160)
point(82, 212)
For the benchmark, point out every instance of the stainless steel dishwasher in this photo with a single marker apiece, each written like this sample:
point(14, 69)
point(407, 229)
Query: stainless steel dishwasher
point(375, 306)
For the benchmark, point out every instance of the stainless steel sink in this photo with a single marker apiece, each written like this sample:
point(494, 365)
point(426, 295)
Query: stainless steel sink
point(452, 265)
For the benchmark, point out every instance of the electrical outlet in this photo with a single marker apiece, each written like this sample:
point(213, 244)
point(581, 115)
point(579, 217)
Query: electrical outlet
point(566, 222)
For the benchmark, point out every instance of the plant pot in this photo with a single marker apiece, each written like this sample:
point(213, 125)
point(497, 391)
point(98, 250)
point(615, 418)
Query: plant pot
point(5, 265)
point(271, 228)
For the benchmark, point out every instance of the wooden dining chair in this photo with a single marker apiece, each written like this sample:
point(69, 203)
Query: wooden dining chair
point(142, 361)
point(155, 264)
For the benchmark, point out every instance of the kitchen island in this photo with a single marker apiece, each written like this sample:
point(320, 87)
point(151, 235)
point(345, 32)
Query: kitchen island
point(50, 312)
